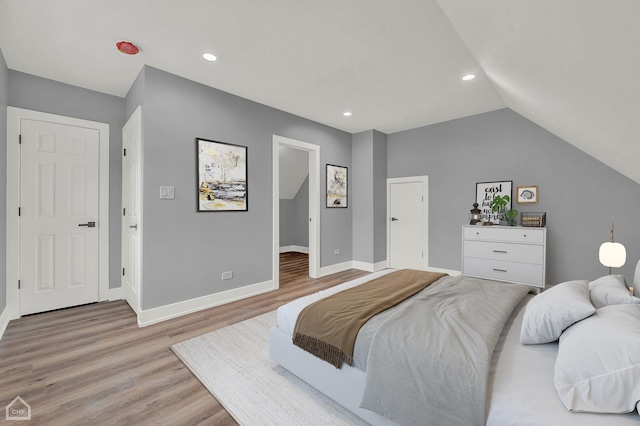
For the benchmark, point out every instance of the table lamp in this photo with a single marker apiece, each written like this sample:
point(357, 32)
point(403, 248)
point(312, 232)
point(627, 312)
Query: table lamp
point(612, 255)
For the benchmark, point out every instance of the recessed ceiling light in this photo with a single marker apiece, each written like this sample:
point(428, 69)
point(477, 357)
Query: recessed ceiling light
point(347, 113)
point(210, 57)
point(468, 77)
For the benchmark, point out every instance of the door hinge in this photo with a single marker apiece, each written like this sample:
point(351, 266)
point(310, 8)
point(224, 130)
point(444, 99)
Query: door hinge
point(422, 255)
point(19, 139)
point(19, 211)
point(124, 211)
point(125, 152)
point(18, 284)
point(123, 272)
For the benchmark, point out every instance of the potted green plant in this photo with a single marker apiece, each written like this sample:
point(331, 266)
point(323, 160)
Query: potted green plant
point(499, 204)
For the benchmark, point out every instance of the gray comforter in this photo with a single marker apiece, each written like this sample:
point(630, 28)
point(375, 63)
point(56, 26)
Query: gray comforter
point(429, 359)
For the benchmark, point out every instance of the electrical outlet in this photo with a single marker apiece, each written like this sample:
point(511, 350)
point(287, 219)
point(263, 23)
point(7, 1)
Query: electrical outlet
point(227, 275)
point(336, 252)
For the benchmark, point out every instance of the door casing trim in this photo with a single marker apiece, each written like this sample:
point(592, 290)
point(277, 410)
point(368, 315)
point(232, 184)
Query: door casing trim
point(314, 205)
point(14, 116)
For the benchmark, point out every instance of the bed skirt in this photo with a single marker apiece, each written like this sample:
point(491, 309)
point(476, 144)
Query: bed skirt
point(345, 385)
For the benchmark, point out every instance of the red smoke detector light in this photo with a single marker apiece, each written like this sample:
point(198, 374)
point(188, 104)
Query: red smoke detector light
point(127, 48)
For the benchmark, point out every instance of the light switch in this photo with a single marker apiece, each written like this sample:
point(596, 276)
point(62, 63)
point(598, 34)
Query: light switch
point(167, 192)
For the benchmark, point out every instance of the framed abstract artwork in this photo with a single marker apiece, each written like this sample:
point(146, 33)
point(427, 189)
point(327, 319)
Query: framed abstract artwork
point(336, 186)
point(486, 192)
point(527, 194)
point(222, 176)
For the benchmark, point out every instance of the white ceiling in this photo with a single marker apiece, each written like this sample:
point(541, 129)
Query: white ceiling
point(566, 65)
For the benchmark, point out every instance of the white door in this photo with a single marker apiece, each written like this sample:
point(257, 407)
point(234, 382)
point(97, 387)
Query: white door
point(131, 209)
point(406, 227)
point(59, 202)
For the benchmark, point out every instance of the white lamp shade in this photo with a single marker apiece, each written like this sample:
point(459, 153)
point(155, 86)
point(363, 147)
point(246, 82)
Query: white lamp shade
point(612, 255)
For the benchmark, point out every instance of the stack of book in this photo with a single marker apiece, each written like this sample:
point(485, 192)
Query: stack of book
point(533, 219)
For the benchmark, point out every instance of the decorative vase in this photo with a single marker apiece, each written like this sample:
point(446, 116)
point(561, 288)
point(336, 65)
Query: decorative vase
point(502, 218)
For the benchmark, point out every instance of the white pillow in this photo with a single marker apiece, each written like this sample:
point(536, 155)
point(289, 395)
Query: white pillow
point(548, 314)
point(636, 285)
point(598, 364)
point(610, 290)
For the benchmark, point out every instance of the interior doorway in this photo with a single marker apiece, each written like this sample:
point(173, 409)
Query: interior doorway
point(408, 222)
point(131, 227)
point(58, 184)
point(313, 153)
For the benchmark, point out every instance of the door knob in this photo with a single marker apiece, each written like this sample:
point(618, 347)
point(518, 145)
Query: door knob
point(393, 219)
point(133, 226)
point(88, 224)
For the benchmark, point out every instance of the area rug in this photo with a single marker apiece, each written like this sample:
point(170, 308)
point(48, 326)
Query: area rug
point(234, 364)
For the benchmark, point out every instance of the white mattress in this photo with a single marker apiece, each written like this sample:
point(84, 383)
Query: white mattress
point(520, 384)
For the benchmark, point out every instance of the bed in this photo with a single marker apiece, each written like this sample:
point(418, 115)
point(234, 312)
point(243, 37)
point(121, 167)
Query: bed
point(520, 386)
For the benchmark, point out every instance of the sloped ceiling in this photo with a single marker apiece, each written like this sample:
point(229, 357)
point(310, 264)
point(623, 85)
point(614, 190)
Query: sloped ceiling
point(570, 66)
point(294, 169)
point(566, 65)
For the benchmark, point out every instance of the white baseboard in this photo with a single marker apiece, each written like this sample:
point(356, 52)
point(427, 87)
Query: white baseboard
point(155, 315)
point(299, 249)
point(375, 267)
point(4, 321)
point(116, 294)
point(370, 267)
point(446, 271)
point(334, 269)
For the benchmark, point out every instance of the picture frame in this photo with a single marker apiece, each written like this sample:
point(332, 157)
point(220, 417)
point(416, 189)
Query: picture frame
point(527, 194)
point(486, 192)
point(221, 176)
point(337, 184)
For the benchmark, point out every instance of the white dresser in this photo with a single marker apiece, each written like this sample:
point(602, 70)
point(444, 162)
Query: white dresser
point(505, 253)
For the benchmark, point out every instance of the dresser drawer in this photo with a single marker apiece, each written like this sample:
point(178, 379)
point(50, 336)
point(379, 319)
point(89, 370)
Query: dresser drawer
point(524, 273)
point(523, 253)
point(508, 234)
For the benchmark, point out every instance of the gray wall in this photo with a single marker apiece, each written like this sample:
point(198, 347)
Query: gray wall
point(369, 196)
point(301, 219)
point(581, 195)
point(362, 196)
point(294, 218)
point(287, 218)
point(135, 96)
point(379, 196)
point(4, 95)
point(35, 93)
point(184, 252)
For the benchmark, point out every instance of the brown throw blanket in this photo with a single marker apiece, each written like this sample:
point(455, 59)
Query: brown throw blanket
point(328, 327)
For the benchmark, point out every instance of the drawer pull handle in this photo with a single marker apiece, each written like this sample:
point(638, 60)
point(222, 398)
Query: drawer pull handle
point(499, 270)
point(499, 251)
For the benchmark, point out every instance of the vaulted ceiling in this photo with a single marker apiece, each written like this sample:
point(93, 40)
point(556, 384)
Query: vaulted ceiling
point(568, 65)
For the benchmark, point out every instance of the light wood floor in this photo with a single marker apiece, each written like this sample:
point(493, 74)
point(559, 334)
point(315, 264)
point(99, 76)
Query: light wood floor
point(93, 365)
